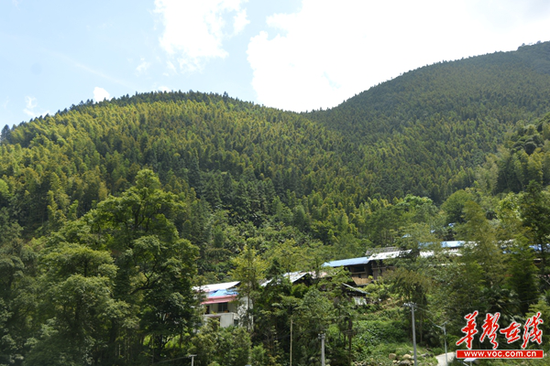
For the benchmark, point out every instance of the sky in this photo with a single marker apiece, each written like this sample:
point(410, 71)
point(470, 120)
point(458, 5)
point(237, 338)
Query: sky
point(296, 55)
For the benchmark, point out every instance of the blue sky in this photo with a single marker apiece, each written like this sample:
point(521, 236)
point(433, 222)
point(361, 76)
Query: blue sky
point(290, 54)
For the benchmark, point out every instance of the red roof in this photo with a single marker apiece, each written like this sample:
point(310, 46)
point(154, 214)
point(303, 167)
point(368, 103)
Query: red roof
point(219, 299)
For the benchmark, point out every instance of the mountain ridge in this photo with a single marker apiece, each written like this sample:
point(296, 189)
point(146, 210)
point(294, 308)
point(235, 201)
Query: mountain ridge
point(111, 212)
point(424, 133)
point(465, 105)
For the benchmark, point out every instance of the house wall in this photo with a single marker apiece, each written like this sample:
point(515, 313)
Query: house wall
point(360, 274)
point(227, 318)
point(379, 268)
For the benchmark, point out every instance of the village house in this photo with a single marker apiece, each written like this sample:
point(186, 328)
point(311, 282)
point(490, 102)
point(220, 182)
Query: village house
point(377, 261)
point(359, 269)
point(220, 303)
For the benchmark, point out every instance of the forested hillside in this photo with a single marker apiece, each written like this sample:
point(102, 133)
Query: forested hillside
point(110, 212)
point(219, 154)
point(425, 132)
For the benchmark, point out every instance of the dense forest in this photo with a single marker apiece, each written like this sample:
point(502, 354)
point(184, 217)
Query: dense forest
point(426, 131)
point(111, 212)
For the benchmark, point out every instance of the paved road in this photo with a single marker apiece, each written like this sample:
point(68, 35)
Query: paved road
point(441, 358)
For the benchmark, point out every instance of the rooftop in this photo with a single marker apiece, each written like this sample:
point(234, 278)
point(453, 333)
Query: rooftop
point(347, 262)
point(216, 286)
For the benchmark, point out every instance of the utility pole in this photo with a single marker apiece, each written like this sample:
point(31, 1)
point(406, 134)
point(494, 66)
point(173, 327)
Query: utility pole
point(322, 338)
point(291, 322)
point(444, 329)
point(445, 335)
point(412, 306)
point(350, 335)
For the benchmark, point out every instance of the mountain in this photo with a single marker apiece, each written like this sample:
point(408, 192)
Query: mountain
point(218, 154)
point(111, 212)
point(425, 131)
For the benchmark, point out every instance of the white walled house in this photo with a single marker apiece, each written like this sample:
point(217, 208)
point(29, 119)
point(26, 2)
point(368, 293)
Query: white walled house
point(220, 302)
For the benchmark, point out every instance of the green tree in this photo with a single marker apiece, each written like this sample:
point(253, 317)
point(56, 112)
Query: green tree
point(454, 206)
point(476, 279)
point(78, 306)
point(520, 259)
point(313, 316)
point(18, 292)
point(156, 267)
point(213, 345)
point(482, 247)
point(249, 270)
point(534, 211)
point(120, 280)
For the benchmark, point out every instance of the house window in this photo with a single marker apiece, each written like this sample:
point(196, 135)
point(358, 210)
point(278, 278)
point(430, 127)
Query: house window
point(222, 307)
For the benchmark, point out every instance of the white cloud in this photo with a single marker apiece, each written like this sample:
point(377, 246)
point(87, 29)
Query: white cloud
point(329, 51)
point(171, 68)
point(101, 94)
point(30, 105)
point(240, 21)
point(195, 30)
point(142, 67)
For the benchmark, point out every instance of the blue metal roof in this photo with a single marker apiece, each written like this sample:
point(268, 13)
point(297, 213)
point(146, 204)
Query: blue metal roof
point(452, 244)
point(445, 243)
point(222, 292)
point(347, 262)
